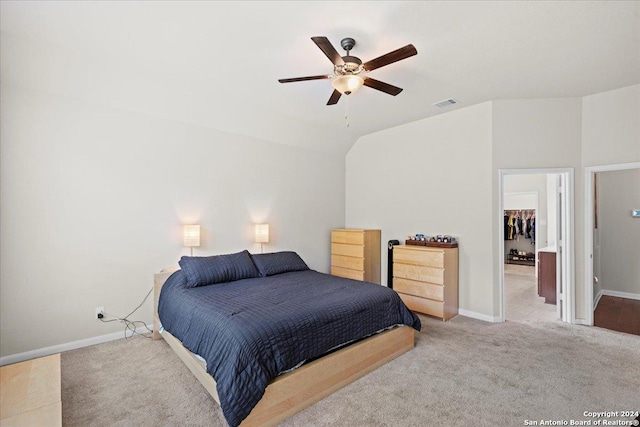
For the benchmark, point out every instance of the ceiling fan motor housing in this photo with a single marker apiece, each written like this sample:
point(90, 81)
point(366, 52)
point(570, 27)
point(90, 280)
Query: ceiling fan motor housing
point(352, 65)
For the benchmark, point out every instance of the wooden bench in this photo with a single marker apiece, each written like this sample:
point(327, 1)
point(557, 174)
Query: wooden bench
point(30, 393)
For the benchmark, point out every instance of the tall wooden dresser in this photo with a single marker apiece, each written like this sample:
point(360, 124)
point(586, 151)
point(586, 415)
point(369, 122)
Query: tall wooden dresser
point(355, 254)
point(427, 279)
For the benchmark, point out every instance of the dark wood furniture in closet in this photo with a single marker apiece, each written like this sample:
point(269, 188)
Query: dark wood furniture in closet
point(547, 276)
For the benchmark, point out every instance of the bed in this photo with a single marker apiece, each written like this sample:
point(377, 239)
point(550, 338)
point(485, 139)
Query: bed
point(256, 319)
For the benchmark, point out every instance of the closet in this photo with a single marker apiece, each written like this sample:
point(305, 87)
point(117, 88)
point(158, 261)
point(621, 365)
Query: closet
point(530, 205)
point(520, 236)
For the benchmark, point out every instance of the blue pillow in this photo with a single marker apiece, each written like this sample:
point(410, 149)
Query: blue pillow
point(202, 271)
point(278, 262)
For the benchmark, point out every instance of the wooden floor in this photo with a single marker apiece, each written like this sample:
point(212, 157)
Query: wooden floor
point(618, 314)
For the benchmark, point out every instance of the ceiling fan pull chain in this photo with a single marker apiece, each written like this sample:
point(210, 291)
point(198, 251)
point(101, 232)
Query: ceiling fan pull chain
point(346, 110)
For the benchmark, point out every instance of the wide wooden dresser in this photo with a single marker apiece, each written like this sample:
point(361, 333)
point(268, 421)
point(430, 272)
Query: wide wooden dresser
point(427, 279)
point(355, 254)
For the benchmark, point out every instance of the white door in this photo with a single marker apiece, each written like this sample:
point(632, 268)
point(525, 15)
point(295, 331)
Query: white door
point(562, 261)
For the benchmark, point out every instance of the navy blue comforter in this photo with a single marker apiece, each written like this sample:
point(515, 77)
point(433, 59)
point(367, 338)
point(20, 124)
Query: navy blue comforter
point(249, 331)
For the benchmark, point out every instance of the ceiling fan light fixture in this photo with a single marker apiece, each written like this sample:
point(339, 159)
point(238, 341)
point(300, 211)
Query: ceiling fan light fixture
point(347, 84)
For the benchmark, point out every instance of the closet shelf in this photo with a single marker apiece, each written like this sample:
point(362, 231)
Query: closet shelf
point(521, 259)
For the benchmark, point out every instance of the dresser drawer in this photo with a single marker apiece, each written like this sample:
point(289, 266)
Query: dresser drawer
point(347, 250)
point(423, 305)
point(419, 273)
point(419, 256)
point(355, 237)
point(347, 262)
point(347, 273)
point(419, 289)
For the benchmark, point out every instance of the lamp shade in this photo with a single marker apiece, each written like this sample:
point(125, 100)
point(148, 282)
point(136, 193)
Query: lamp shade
point(262, 233)
point(347, 84)
point(191, 235)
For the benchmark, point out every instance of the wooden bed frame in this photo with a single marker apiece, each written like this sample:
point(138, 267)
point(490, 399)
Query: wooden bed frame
point(290, 393)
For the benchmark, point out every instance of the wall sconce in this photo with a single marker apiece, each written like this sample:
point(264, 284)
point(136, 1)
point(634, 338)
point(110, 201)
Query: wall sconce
point(262, 235)
point(192, 236)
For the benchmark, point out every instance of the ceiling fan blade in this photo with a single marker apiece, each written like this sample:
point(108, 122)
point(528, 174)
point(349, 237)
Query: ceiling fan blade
point(302, 79)
point(382, 86)
point(335, 97)
point(391, 57)
point(325, 46)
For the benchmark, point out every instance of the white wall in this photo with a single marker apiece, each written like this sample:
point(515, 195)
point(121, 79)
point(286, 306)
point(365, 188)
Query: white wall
point(388, 187)
point(618, 194)
point(574, 132)
point(540, 133)
point(93, 198)
point(432, 176)
point(610, 135)
point(611, 127)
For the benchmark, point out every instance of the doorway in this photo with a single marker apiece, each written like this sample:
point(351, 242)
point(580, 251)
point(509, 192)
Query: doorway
point(543, 197)
point(612, 244)
point(529, 220)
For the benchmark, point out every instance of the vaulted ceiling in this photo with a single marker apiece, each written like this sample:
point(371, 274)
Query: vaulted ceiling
point(216, 64)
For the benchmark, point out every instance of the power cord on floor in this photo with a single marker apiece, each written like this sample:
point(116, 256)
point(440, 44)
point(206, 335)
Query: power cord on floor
point(130, 325)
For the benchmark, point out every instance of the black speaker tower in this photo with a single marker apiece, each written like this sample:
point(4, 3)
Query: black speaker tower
point(391, 244)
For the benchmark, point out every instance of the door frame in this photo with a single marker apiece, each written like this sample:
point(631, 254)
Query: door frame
point(568, 258)
point(589, 174)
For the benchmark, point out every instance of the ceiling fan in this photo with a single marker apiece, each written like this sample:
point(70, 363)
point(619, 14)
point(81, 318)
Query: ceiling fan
point(348, 71)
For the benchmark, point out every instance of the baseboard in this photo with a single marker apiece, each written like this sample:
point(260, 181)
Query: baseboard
point(611, 293)
point(479, 316)
point(596, 300)
point(46, 351)
point(619, 294)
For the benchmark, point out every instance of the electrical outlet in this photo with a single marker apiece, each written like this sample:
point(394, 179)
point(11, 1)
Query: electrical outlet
point(99, 310)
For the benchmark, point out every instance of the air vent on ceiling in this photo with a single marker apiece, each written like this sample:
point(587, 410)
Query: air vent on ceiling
point(446, 103)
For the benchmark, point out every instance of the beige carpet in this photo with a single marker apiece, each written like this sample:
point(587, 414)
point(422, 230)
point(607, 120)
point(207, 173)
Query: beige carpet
point(521, 292)
point(463, 372)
